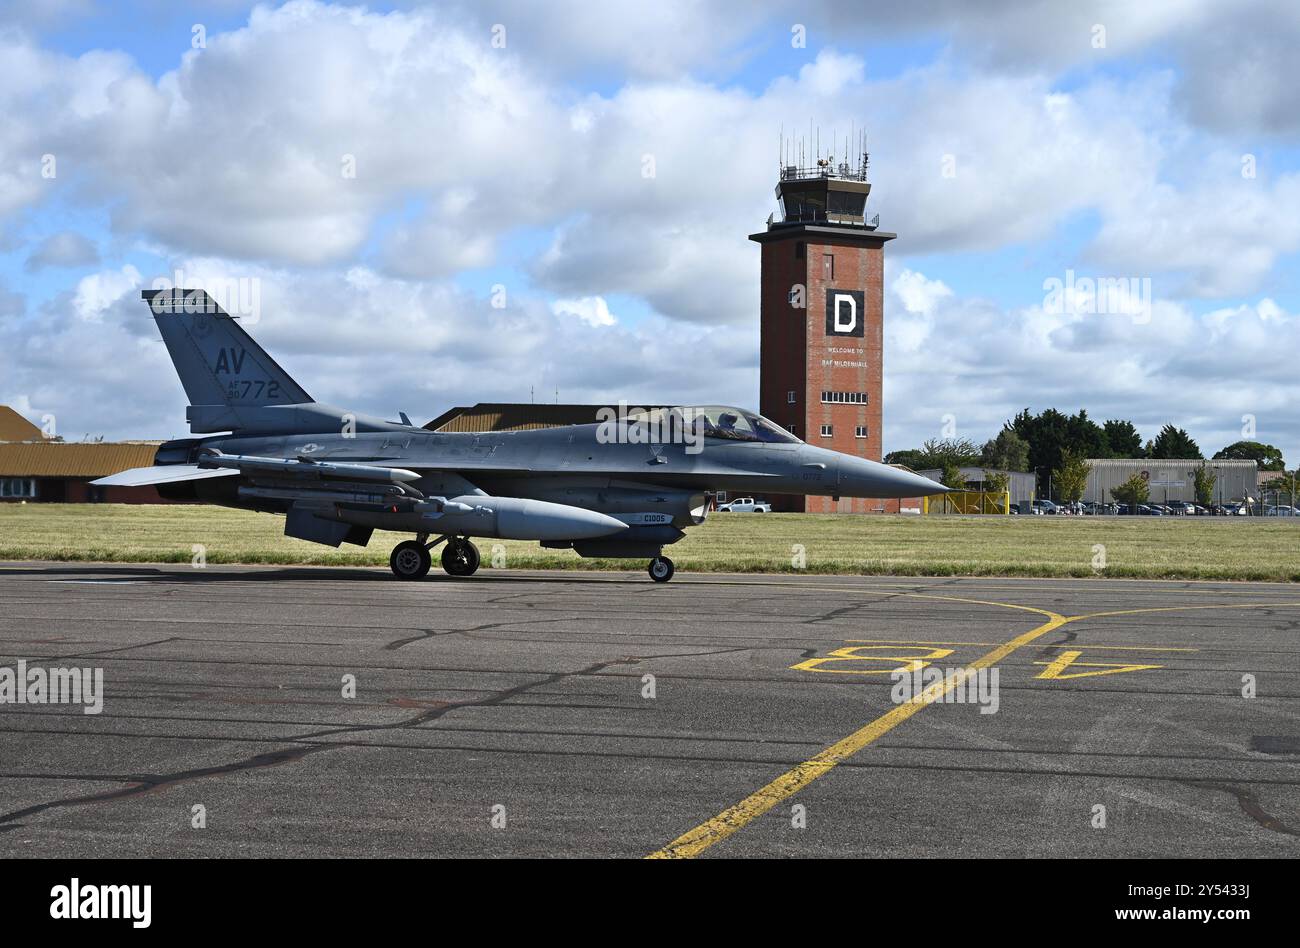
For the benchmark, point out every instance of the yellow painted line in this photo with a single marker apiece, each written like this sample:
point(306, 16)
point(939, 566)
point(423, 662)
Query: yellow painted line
point(1057, 669)
point(1110, 648)
point(1125, 648)
point(1039, 583)
point(734, 818)
point(1220, 605)
point(920, 642)
point(695, 841)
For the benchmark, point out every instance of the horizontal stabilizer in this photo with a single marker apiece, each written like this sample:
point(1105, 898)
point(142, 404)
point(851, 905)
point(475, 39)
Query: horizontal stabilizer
point(164, 474)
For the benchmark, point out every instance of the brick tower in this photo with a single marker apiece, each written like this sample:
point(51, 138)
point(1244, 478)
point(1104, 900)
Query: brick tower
point(822, 306)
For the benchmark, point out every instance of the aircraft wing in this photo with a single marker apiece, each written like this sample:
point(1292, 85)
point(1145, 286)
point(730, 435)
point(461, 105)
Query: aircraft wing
point(164, 474)
point(230, 465)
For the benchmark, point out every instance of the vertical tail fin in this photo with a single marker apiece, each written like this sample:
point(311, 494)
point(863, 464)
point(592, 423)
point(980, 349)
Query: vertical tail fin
point(222, 369)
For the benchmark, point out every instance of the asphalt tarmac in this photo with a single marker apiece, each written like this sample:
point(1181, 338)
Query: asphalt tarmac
point(598, 714)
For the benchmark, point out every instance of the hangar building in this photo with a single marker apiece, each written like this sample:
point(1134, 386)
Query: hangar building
point(1171, 479)
point(34, 469)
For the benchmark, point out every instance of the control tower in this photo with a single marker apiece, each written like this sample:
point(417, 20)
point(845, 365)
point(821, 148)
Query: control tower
point(821, 311)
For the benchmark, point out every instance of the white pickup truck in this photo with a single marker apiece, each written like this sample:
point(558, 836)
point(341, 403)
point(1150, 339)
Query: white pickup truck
point(745, 505)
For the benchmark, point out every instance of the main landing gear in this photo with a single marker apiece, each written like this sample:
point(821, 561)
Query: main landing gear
point(661, 569)
point(460, 557)
point(411, 559)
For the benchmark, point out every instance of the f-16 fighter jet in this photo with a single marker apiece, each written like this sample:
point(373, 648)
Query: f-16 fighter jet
point(626, 486)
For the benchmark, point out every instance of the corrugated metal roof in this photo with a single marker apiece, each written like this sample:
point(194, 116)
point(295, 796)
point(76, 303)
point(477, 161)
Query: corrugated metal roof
point(14, 427)
point(57, 459)
point(1139, 463)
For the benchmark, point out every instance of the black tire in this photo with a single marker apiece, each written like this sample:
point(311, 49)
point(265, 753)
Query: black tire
point(661, 569)
point(410, 560)
point(460, 558)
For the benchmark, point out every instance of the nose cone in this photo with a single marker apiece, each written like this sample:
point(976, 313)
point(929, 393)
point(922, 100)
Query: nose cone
point(862, 478)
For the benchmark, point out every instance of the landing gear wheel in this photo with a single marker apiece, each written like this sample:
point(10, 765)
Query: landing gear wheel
point(661, 569)
point(460, 558)
point(410, 560)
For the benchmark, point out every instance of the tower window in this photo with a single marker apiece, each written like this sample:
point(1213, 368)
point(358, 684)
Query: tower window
point(828, 267)
point(828, 431)
point(800, 249)
point(789, 398)
point(860, 431)
point(844, 398)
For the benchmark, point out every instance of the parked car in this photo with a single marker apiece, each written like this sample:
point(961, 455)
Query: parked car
point(1282, 511)
point(745, 505)
point(1045, 507)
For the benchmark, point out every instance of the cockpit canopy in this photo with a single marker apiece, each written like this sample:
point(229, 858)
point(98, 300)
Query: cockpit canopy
point(724, 422)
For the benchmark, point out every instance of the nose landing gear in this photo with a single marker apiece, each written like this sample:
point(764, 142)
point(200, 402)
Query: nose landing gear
point(411, 559)
point(661, 569)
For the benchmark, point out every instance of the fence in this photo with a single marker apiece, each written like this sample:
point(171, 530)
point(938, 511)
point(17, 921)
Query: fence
point(968, 502)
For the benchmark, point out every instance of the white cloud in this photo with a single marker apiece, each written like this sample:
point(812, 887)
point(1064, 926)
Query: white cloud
point(982, 363)
point(98, 291)
point(592, 310)
point(233, 164)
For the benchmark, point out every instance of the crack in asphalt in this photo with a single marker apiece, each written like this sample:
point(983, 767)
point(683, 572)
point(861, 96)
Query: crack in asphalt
point(139, 784)
point(1249, 804)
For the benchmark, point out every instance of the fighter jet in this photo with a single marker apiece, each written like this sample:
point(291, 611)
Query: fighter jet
point(626, 487)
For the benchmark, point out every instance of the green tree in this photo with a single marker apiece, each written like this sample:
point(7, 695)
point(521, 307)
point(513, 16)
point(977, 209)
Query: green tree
point(1122, 439)
point(937, 454)
point(944, 451)
point(1052, 433)
point(910, 457)
point(1174, 444)
point(1266, 456)
point(952, 477)
point(1133, 491)
point(1085, 437)
point(997, 482)
point(1203, 481)
point(1007, 452)
point(1071, 478)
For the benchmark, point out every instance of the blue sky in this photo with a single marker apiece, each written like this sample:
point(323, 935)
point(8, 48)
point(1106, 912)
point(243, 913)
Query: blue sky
point(521, 167)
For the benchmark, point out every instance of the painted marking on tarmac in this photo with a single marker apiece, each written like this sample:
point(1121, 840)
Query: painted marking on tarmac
point(906, 664)
point(1108, 648)
point(852, 653)
point(736, 817)
point(1056, 669)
